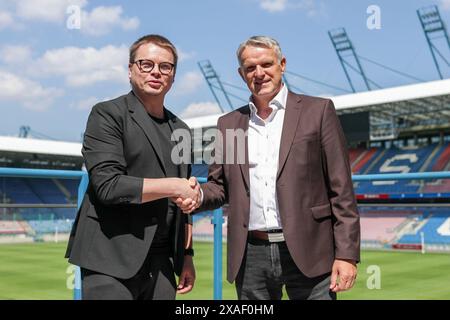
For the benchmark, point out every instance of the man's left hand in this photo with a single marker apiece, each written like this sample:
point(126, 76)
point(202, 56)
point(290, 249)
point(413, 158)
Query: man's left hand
point(343, 275)
point(187, 277)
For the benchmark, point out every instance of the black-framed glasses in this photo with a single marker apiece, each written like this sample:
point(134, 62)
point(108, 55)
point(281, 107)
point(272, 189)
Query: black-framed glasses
point(146, 65)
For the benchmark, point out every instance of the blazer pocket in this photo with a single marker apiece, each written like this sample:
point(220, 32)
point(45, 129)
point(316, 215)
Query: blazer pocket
point(322, 211)
point(306, 138)
point(90, 210)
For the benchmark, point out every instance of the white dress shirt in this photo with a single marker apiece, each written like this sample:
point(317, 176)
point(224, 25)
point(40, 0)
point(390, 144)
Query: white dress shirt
point(263, 151)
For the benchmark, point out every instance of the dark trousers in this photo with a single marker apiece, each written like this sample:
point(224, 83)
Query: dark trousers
point(268, 266)
point(154, 281)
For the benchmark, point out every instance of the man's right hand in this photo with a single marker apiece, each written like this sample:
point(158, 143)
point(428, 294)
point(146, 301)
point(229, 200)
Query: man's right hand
point(186, 189)
point(189, 200)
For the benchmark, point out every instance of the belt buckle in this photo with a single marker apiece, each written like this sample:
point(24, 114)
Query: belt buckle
point(276, 237)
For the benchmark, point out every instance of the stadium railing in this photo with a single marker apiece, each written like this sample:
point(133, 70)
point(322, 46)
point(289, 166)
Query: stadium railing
point(217, 220)
point(55, 174)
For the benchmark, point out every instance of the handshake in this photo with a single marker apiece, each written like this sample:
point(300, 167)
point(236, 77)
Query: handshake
point(189, 195)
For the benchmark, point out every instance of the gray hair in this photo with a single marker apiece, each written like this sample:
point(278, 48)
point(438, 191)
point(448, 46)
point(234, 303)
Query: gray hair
point(262, 42)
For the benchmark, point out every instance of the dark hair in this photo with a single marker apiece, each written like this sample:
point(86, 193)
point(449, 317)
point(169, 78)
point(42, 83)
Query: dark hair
point(155, 39)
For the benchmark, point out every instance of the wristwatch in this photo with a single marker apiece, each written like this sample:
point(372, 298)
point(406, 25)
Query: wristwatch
point(189, 252)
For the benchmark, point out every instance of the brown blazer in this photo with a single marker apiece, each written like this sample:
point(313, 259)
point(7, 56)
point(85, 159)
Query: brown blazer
point(315, 192)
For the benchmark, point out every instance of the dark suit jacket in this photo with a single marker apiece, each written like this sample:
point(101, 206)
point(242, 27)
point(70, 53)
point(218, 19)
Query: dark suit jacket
point(314, 188)
point(113, 231)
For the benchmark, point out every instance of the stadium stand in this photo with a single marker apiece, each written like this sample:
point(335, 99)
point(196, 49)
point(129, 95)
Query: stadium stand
point(432, 222)
point(27, 190)
point(363, 161)
point(70, 186)
point(51, 226)
point(40, 191)
point(382, 227)
point(402, 228)
point(11, 227)
point(37, 223)
point(442, 185)
point(442, 159)
point(433, 157)
point(396, 160)
point(388, 227)
point(18, 191)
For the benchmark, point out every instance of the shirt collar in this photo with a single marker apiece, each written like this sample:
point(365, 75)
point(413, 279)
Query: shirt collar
point(278, 101)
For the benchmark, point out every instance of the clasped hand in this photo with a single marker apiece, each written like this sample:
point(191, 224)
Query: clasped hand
point(189, 195)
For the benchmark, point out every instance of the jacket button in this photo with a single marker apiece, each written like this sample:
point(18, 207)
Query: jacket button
point(248, 192)
point(245, 225)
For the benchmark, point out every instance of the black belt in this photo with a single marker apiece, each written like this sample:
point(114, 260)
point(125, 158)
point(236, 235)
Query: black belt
point(274, 235)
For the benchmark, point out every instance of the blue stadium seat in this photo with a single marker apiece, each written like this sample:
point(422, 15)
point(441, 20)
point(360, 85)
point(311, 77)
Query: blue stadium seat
point(395, 160)
point(51, 226)
point(430, 230)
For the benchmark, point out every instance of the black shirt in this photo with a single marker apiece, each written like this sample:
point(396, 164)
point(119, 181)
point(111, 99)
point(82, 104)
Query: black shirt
point(165, 219)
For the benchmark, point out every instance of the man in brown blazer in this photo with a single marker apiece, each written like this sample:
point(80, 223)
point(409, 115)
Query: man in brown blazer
point(292, 217)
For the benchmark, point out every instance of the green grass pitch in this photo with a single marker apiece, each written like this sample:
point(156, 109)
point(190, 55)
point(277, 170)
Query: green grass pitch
point(39, 271)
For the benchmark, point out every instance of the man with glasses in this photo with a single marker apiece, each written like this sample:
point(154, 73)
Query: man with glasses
point(129, 237)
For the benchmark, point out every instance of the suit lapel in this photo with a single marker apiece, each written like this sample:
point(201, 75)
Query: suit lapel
point(291, 117)
point(140, 116)
point(242, 123)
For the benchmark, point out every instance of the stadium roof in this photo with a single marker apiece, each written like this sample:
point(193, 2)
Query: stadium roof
point(29, 145)
point(390, 95)
point(426, 103)
point(423, 106)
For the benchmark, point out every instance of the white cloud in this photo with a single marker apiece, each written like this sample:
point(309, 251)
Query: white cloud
point(29, 93)
point(311, 7)
point(86, 104)
point(84, 66)
point(46, 10)
point(6, 20)
point(183, 55)
point(99, 21)
point(445, 4)
point(12, 54)
point(273, 5)
point(188, 83)
point(102, 20)
point(117, 74)
point(198, 109)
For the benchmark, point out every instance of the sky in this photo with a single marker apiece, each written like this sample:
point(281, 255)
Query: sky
point(58, 58)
